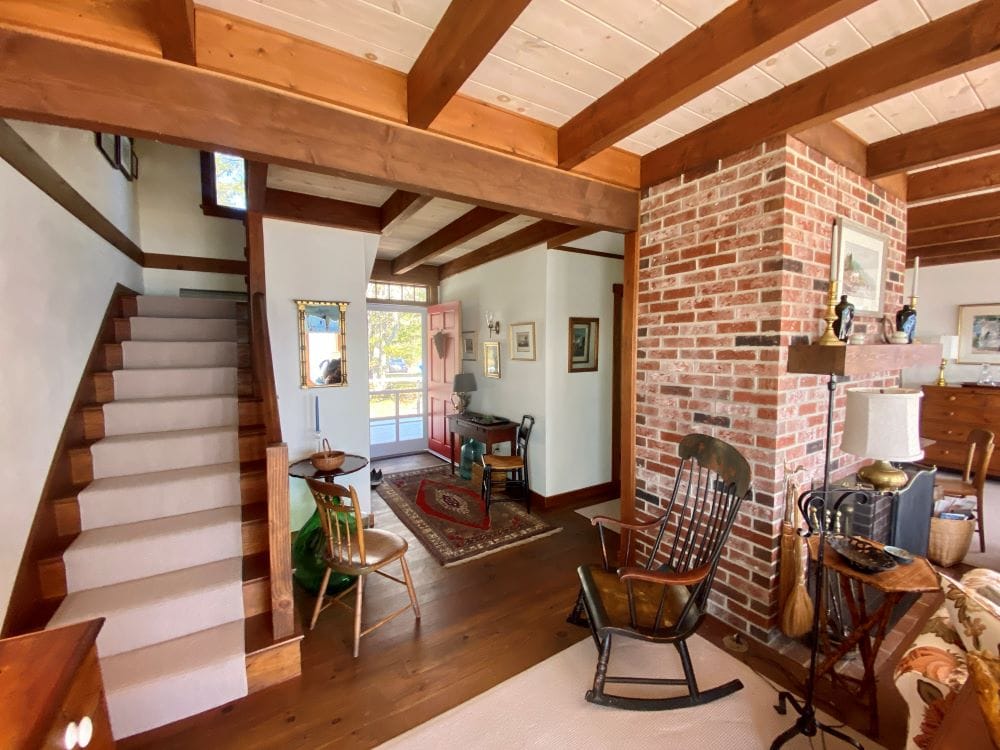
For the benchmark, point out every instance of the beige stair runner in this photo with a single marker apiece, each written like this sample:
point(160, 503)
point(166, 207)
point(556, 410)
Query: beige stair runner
point(160, 551)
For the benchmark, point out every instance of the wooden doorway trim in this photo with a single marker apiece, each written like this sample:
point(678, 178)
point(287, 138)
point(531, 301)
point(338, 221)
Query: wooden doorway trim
point(616, 383)
point(626, 390)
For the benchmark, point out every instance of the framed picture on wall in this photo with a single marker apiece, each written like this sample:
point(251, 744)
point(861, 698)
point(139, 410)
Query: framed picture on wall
point(107, 146)
point(491, 359)
point(123, 159)
point(522, 341)
point(583, 341)
point(469, 347)
point(979, 334)
point(860, 265)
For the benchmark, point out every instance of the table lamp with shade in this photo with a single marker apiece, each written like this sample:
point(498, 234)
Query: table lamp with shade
point(949, 351)
point(884, 424)
point(464, 384)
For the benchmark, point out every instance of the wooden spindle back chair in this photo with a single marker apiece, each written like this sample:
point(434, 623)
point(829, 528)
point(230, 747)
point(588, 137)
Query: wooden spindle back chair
point(350, 549)
point(514, 466)
point(664, 598)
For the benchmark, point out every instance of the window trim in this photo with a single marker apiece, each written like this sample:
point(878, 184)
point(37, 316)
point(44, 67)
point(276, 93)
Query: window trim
point(209, 199)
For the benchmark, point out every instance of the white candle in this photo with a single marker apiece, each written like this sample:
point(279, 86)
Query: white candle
point(833, 252)
point(916, 274)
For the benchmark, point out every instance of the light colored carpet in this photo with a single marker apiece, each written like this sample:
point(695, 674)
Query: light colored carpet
point(160, 551)
point(611, 508)
point(991, 510)
point(544, 707)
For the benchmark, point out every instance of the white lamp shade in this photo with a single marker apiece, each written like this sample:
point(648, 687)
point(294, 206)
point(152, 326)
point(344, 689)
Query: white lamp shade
point(949, 347)
point(883, 423)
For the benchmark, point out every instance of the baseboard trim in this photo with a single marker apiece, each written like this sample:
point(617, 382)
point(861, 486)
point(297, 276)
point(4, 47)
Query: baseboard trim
point(595, 493)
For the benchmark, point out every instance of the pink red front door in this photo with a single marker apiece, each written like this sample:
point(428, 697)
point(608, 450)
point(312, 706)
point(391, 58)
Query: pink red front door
point(444, 360)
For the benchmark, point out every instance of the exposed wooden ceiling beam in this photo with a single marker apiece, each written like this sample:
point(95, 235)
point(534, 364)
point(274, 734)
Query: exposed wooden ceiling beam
point(399, 207)
point(244, 49)
point(328, 212)
point(174, 22)
point(123, 25)
point(536, 234)
point(943, 235)
point(574, 234)
point(256, 181)
point(951, 139)
point(429, 275)
point(973, 208)
point(984, 249)
point(466, 33)
point(64, 82)
point(937, 50)
point(955, 179)
point(739, 37)
point(464, 228)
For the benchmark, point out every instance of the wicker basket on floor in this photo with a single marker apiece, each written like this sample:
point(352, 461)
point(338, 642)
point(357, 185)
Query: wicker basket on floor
point(949, 540)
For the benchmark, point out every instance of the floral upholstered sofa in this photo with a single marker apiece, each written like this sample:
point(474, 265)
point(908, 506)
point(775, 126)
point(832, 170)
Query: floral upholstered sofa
point(936, 666)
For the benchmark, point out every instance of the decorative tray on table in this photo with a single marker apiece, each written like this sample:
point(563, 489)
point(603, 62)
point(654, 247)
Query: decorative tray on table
point(862, 554)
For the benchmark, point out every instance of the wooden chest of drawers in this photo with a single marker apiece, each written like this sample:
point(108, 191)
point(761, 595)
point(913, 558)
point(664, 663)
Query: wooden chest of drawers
point(947, 415)
point(51, 680)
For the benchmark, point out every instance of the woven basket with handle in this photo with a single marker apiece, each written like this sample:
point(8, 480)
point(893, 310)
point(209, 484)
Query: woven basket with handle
point(327, 459)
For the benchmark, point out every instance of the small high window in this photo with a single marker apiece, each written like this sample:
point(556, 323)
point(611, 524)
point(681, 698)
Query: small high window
point(380, 291)
point(223, 185)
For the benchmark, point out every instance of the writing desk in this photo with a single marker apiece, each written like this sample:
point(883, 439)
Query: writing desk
point(490, 434)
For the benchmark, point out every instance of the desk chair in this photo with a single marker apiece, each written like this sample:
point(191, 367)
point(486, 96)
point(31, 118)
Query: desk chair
point(515, 466)
point(973, 481)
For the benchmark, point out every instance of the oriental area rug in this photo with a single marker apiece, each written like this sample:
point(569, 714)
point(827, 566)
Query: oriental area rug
point(447, 515)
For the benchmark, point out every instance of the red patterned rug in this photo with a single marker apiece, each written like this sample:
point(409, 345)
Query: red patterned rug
point(447, 515)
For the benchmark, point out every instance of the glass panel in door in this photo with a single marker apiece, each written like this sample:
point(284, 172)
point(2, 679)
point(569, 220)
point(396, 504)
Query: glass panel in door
point(397, 386)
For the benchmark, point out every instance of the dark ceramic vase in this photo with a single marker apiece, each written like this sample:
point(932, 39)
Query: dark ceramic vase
point(906, 321)
point(844, 323)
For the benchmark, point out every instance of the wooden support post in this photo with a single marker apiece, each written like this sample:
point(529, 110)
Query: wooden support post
point(280, 542)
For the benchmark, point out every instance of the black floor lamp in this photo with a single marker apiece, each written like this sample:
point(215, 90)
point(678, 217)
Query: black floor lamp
point(814, 505)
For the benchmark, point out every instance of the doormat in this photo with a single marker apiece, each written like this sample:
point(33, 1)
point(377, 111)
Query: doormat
point(446, 513)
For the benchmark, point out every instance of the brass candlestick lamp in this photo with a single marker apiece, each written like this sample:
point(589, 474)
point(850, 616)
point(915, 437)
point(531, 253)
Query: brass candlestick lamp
point(884, 424)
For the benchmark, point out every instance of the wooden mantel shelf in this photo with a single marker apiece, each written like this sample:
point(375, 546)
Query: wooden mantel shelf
point(859, 359)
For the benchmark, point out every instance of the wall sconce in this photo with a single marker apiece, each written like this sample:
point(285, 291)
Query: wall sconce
point(492, 324)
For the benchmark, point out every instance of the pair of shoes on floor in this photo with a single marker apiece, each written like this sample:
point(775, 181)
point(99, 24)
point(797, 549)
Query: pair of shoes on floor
point(376, 477)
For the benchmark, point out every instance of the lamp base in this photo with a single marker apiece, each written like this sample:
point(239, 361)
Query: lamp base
point(460, 401)
point(883, 476)
point(941, 380)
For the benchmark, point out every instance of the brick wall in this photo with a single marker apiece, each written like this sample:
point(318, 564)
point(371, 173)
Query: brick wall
point(734, 262)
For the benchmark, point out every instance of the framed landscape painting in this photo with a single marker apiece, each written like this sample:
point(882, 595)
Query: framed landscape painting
point(469, 347)
point(491, 359)
point(583, 344)
point(522, 341)
point(979, 334)
point(861, 265)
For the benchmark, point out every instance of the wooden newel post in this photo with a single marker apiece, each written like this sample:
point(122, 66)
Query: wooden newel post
point(280, 539)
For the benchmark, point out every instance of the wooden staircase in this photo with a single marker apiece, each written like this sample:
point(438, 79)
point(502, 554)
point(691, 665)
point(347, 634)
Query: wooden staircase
point(272, 638)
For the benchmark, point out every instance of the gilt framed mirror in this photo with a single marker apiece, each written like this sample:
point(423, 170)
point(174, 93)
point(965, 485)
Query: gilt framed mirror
point(322, 343)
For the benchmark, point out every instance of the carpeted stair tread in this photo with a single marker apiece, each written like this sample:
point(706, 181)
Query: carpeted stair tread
point(166, 382)
point(182, 329)
point(142, 497)
point(132, 416)
point(159, 684)
point(185, 307)
point(143, 355)
point(145, 452)
point(159, 608)
point(113, 554)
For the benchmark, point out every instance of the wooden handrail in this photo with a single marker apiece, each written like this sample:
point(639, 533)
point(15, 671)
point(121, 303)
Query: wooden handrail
point(260, 344)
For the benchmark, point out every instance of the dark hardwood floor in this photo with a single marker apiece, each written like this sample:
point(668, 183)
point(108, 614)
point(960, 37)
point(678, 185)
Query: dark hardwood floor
point(482, 623)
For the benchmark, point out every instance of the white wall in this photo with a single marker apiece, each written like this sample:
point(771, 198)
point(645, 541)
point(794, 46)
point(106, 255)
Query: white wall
point(56, 278)
point(172, 222)
point(942, 290)
point(571, 443)
point(578, 405)
point(318, 263)
point(75, 156)
point(514, 289)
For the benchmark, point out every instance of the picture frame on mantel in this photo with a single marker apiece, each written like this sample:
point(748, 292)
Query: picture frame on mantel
point(861, 265)
point(979, 334)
